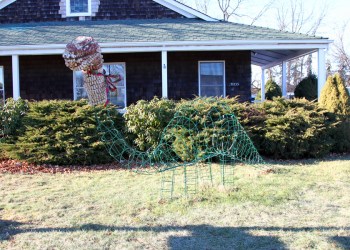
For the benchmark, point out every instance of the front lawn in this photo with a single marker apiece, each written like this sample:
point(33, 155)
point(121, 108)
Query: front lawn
point(302, 205)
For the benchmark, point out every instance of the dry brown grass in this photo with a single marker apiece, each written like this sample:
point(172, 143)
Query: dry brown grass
point(303, 205)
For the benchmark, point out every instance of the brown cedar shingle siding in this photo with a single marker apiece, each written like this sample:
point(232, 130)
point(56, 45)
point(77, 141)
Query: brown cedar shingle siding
point(41, 77)
point(23, 11)
point(133, 9)
point(46, 77)
point(183, 72)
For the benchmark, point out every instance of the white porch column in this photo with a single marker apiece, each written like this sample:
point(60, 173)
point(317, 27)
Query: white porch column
point(284, 79)
point(321, 71)
point(15, 77)
point(262, 84)
point(164, 74)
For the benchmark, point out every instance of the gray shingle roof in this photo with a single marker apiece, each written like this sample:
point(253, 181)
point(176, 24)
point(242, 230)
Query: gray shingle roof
point(158, 30)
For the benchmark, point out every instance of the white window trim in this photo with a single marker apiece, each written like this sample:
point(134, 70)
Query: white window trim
point(199, 75)
point(69, 14)
point(74, 86)
point(109, 63)
point(3, 82)
point(125, 97)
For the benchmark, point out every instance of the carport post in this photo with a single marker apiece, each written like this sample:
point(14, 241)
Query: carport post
point(321, 71)
point(15, 77)
point(262, 84)
point(284, 79)
point(164, 74)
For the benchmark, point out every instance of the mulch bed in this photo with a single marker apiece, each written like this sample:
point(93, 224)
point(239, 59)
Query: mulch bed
point(13, 167)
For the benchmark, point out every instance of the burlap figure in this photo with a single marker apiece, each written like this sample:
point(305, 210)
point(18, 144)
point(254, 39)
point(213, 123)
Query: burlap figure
point(84, 54)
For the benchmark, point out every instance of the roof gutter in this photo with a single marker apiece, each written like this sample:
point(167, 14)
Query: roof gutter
point(125, 47)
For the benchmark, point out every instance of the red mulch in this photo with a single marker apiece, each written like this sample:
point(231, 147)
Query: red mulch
point(13, 166)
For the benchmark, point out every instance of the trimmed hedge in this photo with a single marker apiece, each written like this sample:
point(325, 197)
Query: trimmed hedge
point(307, 88)
point(295, 129)
point(146, 120)
point(61, 132)
point(281, 129)
point(65, 132)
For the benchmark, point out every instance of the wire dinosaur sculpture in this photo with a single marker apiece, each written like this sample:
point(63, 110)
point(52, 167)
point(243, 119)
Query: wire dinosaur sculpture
point(190, 142)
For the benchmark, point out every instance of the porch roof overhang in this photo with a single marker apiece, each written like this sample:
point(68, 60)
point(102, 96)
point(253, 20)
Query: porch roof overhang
point(268, 47)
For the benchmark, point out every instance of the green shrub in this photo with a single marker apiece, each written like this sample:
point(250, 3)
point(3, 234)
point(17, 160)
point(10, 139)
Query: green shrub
point(145, 121)
point(334, 96)
point(192, 140)
point(206, 114)
point(271, 90)
point(65, 132)
point(341, 136)
point(286, 129)
point(307, 88)
point(295, 129)
point(11, 114)
point(62, 132)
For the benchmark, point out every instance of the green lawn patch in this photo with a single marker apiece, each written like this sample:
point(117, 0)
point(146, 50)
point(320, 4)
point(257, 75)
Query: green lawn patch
point(302, 205)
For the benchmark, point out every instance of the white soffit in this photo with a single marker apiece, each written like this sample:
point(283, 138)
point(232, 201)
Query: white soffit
point(184, 10)
point(4, 3)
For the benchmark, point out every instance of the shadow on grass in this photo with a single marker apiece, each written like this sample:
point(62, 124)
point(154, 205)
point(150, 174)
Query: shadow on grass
point(342, 241)
point(9, 228)
point(195, 236)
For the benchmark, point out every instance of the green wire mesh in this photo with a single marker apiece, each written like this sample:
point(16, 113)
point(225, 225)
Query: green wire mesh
point(189, 140)
point(187, 146)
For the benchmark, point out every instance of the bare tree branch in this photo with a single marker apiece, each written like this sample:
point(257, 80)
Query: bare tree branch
point(262, 11)
point(341, 55)
point(203, 5)
point(293, 17)
point(229, 7)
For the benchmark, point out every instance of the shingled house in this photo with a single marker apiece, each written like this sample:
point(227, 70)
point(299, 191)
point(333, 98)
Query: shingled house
point(160, 47)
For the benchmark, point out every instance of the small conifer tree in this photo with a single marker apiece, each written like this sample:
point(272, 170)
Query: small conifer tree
point(307, 88)
point(335, 97)
point(271, 90)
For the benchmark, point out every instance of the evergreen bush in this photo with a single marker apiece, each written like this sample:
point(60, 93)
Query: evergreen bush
point(281, 129)
point(64, 132)
point(11, 114)
point(145, 120)
point(271, 90)
point(334, 96)
point(61, 132)
point(295, 129)
point(307, 88)
point(341, 136)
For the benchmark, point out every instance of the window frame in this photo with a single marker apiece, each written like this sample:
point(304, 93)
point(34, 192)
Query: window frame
point(2, 79)
point(125, 96)
point(70, 14)
point(224, 75)
point(109, 63)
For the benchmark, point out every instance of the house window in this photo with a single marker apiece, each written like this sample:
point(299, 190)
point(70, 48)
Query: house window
point(114, 69)
point(212, 78)
point(2, 85)
point(78, 7)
